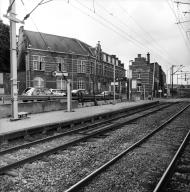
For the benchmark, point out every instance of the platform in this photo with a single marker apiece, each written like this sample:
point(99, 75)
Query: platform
point(49, 118)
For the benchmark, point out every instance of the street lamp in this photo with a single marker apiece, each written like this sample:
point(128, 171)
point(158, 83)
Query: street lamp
point(114, 82)
point(129, 77)
point(71, 53)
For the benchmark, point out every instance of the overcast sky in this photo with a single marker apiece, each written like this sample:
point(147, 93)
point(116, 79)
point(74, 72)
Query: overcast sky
point(123, 27)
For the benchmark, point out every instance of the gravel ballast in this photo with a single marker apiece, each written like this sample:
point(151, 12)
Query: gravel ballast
point(59, 171)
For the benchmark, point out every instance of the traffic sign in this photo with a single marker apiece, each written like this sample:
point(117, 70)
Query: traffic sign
point(59, 74)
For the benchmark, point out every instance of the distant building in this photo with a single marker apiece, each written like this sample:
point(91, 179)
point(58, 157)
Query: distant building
point(40, 54)
point(148, 79)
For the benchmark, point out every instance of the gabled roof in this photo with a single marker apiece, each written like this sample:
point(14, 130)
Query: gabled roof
point(56, 43)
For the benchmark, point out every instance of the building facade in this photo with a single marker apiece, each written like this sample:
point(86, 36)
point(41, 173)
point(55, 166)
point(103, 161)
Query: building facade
point(40, 55)
point(148, 79)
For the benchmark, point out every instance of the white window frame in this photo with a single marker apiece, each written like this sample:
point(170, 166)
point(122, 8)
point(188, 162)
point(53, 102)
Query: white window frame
point(113, 61)
point(138, 88)
point(117, 62)
point(42, 63)
point(92, 66)
point(80, 84)
point(104, 57)
point(60, 61)
point(38, 82)
point(81, 66)
point(109, 59)
point(38, 63)
point(35, 61)
point(61, 84)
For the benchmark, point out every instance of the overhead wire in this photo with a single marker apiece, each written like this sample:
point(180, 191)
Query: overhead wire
point(10, 6)
point(109, 24)
point(171, 6)
point(42, 36)
point(159, 50)
point(130, 38)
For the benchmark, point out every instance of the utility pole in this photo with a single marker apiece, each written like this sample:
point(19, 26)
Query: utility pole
point(172, 74)
point(114, 83)
point(130, 77)
point(13, 59)
point(153, 77)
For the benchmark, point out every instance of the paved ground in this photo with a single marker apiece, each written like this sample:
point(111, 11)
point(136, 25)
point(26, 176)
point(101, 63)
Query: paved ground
point(34, 120)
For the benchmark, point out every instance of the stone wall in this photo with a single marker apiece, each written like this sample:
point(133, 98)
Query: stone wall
point(36, 107)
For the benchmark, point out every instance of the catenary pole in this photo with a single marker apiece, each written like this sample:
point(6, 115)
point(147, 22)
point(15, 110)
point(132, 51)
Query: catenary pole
point(153, 77)
point(13, 59)
point(114, 83)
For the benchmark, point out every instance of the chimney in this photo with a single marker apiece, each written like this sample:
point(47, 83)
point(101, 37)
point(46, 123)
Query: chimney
point(148, 58)
point(139, 55)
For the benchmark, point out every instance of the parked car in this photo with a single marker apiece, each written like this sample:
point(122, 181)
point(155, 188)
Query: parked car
point(106, 93)
point(77, 92)
point(34, 91)
point(58, 92)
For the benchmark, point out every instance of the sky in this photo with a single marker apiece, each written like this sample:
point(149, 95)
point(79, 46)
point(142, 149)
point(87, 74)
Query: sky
point(124, 28)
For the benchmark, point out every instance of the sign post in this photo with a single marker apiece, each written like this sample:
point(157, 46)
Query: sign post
point(129, 77)
point(69, 106)
point(69, 95)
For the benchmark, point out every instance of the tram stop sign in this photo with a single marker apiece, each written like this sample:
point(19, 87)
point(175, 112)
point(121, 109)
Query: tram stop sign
point(59, 74)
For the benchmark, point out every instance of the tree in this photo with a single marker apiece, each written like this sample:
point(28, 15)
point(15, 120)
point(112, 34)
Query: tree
point(4, 48)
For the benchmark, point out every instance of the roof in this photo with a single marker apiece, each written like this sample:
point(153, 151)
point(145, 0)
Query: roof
point(57, 43)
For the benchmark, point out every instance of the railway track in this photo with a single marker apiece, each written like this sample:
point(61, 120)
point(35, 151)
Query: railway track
point(177, 175)
point(62, 159)
point(80, 185)
point(66, 139)
point(52, 128)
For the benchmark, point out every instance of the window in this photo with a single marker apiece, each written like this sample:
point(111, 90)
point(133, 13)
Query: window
point(38, 82)
point(81, 67)
point(138, 88)
point(59, 67)
point(80, 84)
point(104, 57)
point(109, 59)
point(91, 68)
point(139, 76)
point(60, 64)
point(113, 61)
point(99, 69)
point(38, 63)
point(61, 84)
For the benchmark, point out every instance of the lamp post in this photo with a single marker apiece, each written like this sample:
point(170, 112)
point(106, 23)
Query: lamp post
point(153, 77)
point(129, 77)
point(72, 70)
point(114, 83)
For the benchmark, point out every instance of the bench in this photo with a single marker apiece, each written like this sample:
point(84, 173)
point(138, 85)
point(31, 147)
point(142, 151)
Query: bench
point(22, 115)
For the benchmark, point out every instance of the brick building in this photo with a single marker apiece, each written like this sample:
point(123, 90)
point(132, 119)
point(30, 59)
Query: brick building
point(148, 78)
point(40, 54)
